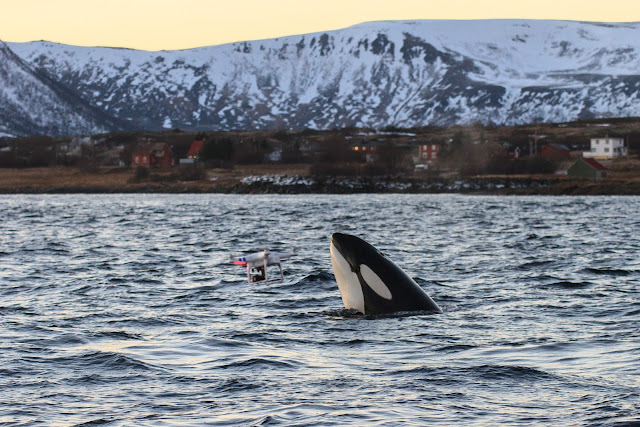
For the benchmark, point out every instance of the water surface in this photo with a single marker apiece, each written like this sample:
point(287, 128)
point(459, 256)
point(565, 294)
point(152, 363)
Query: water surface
point(124, 310)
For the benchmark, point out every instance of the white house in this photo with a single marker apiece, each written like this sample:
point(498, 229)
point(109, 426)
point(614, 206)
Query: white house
point(607, 148)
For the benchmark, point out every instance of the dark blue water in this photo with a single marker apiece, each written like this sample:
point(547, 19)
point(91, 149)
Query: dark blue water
point(123, 310)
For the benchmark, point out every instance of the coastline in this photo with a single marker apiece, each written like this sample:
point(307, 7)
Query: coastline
point(118, 180)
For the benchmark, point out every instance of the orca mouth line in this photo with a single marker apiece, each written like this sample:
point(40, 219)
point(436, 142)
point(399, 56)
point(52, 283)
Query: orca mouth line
point(336, 245)
point(354, 268)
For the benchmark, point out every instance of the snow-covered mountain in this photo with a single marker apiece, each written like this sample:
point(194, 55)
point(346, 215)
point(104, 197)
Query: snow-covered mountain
point(31, 103)
point(403, 73)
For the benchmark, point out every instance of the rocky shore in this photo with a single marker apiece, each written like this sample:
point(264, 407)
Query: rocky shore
point(471, 185)
point(300, 184)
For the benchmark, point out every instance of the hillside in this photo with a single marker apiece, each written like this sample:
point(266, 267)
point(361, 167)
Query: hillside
point(33, 103)
point(405, 73)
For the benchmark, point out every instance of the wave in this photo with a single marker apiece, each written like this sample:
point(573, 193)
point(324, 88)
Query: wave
point(238, 384)
point(535, 264)
point(354, 314)
point(455, 348)
point(606, 271)
point(118, 335)
point(315, 280)
point(103, 361)
point(259, 363)
point(485, 372)
point(567, 284)
point(97, 422)
point(632, 422)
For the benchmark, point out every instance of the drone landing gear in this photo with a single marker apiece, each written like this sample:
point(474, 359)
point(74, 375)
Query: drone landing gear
point(259, 274)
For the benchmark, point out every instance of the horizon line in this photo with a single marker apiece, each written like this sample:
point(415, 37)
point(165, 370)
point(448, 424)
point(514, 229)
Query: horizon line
point(322, 32)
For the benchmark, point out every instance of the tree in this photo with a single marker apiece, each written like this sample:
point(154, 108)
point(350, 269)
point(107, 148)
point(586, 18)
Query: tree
point(456, 146)
point(337, 150)
point(292, 153)
point(219, 151)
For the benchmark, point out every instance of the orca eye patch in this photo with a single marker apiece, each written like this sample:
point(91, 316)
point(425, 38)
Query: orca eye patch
point(374, 282)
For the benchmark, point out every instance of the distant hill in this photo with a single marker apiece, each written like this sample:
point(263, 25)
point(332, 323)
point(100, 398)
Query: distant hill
point(33, 103)
point(405, 74)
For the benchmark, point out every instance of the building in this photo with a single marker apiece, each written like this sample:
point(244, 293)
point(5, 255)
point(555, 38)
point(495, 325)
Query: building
point(193, 155)
point(607, 148)
point(149, 154)
point(368, 149)
point(587, 168)
point(556, 152)
point(276, 148)
point(195, 149)
point(428, 152)
point(513, 151)
point(74, 149)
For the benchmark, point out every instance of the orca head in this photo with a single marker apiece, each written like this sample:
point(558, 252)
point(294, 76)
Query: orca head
point(353, 248)
point(371, 283)
point(354, 261)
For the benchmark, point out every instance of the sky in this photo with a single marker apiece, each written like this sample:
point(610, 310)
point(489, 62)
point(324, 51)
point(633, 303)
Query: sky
point(183, 24)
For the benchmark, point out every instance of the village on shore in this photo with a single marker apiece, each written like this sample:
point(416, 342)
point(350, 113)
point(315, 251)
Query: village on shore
point(582, 157)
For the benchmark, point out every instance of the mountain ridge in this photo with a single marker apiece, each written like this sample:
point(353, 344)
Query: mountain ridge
point(400, 73)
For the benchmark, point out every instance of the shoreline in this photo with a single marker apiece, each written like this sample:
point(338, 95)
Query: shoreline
point(119, 182)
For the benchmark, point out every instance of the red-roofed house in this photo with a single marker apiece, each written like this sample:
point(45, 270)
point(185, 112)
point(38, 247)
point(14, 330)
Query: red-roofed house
point(587, 168)
point(194, 150)
point(556, 152)
point(149, 154)
point(193, 155)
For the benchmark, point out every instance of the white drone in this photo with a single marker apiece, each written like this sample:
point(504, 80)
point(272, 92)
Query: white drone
point(258, 262)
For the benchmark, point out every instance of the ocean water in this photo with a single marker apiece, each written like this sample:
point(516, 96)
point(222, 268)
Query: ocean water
point(124, 310)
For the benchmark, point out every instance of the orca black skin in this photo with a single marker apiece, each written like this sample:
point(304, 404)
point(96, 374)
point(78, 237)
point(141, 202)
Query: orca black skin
point(371, 283)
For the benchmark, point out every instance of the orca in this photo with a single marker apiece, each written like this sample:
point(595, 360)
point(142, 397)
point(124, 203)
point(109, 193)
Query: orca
point(371, 283)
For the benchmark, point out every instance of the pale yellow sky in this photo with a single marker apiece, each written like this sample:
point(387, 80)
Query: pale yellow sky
point(180, 24)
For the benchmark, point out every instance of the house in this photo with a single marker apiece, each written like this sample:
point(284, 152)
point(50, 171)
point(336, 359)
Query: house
point(556, 152)
point(193, 155)
point(195, 149)
point(312, 148)
point(587, 168)
point(74, 147)
point(368, 150)
point(150, 154)
point(428, 152)
point(365, 147)
point(607, 148)
point(276, 148)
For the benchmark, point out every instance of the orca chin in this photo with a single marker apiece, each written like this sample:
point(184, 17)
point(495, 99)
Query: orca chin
point(371, 283)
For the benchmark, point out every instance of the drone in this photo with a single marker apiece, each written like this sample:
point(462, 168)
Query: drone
point(258, 262)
